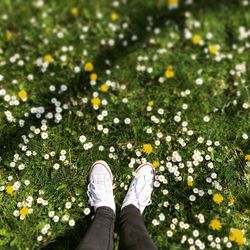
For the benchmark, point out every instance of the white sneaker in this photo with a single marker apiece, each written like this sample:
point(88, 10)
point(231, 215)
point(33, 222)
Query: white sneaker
point(141, 187)
point(100, 187)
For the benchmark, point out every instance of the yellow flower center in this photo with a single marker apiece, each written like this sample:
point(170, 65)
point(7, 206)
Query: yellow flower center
point(96, 101)
point(24, 211)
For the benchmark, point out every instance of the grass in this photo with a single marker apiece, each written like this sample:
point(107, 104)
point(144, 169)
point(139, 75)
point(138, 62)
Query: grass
point(30, 32)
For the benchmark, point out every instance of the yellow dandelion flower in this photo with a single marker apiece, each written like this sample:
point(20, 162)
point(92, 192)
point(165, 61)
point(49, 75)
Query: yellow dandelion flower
point(74, 11)
point(215, 224)
point(147, 148)
point(24, 212)
point(169, 73)
point(104, 87)
point(9, 190)
point(247, 157)
point(48, 58)
point(93, 77)
point(237, 235)
point(156, 164)
point(231, 201)
point(190, 182)
point(9, 35)
point(89, 66)
point(172, 4)
point(218, 198)
point(151, 103)
point(213, 49)
point(196, 39)
point(96, 101)
point(114, 16)
point(22, 94)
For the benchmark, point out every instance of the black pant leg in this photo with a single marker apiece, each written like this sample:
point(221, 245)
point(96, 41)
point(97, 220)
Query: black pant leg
point(133, 232)
point(100, 235)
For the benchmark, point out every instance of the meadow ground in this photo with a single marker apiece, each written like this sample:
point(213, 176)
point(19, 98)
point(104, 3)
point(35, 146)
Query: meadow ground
point(127, 82)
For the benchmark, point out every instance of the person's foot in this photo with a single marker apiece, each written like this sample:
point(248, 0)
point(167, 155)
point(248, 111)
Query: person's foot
point(100, 187)
point(141, 187)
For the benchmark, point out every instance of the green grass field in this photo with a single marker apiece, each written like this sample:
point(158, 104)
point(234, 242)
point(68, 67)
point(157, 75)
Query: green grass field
point(127, 82)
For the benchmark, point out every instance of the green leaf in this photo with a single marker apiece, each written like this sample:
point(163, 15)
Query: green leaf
point(62, 186)
point(4, 237)
point(212, 154)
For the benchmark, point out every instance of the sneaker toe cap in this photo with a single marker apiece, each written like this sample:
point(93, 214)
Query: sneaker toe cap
point(146, 168)
point(100, 168)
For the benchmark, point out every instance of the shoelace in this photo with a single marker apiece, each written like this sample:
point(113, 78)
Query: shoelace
point(97, 191)
point(140, 190)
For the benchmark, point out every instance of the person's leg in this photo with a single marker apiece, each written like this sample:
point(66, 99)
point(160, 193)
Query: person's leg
point(133, 233)
point(100, 192)
point(100, 233)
